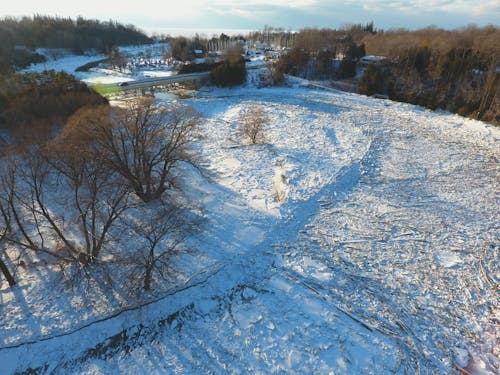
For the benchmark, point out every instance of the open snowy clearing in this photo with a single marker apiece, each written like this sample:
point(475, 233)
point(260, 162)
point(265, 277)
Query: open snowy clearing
point(64, 60)
point(363, 237)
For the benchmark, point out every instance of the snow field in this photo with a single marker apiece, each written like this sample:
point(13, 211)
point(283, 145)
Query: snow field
point(362, 237)
point(374, 264)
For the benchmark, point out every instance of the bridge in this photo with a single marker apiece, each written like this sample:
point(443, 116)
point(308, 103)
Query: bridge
point(193, 80)
point(150, 84)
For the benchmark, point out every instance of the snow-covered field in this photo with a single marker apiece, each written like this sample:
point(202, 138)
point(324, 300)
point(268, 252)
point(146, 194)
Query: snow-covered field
point(60, 59)
point(362, 238)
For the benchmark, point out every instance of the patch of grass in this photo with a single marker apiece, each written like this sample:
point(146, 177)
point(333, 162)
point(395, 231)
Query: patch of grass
point(106, 90)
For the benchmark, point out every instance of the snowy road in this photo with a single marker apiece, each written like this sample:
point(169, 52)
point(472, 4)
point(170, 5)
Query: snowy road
point(362, 238)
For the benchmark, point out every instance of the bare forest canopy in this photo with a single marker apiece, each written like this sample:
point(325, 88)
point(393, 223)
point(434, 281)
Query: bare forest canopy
point(21, 36)
point(388, 43)
point(456, 70)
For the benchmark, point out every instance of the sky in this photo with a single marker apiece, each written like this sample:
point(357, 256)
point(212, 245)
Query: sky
point(159, 15)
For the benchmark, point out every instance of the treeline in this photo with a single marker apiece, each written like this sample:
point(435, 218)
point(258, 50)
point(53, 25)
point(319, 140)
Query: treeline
point(275, 36)
point(458, 70)
point(325, 53)
point(455, 70)
point(20, 36)
point(184, 49)
point(37, 101)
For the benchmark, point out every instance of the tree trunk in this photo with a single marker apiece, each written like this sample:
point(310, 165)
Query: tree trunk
point(7, 274)
point(148, 277)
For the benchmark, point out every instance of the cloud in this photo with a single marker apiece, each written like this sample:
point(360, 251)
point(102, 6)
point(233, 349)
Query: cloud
point(464, 7)
point(251, 14)
point(259, 3)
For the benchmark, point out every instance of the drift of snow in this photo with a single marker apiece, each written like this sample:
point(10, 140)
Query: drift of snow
point(361, 238)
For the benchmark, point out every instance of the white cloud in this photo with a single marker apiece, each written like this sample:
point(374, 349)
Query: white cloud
point(256, 13)
point(449, 6)
point(250, 3)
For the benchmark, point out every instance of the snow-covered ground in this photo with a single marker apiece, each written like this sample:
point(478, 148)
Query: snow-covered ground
point(362, 238)
point(60, 59)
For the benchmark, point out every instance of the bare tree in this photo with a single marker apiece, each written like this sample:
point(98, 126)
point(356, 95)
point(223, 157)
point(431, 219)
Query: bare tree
point(63, 201)
point(64, 198)
point(5, 220)
point(23, 186)
point(143, 142)
point(253, 124)
point(99, 197)
point(116, 58)
point(162, 227)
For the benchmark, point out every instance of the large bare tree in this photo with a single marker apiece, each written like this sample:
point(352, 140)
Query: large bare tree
point(142, 141)
point(63, 200)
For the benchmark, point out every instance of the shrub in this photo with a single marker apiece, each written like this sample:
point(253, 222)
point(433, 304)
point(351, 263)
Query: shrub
point(229, 73)
point(372, 81)
point(253, 125)
point(347, 69)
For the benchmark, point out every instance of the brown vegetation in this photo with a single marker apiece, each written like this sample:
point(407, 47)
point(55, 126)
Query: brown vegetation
point(141, 141)
point(35, 103)
point(325, 53)
point(453, 70)
point(232, 71)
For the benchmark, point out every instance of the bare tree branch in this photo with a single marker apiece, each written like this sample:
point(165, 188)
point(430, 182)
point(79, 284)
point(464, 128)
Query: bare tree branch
point(253, 125)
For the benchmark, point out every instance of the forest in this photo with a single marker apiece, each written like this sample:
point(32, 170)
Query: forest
point(40, 102)
point(20, 37)
point(456, 70)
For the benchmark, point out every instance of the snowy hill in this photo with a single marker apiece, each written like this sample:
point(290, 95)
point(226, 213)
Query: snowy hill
point(361, 238)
